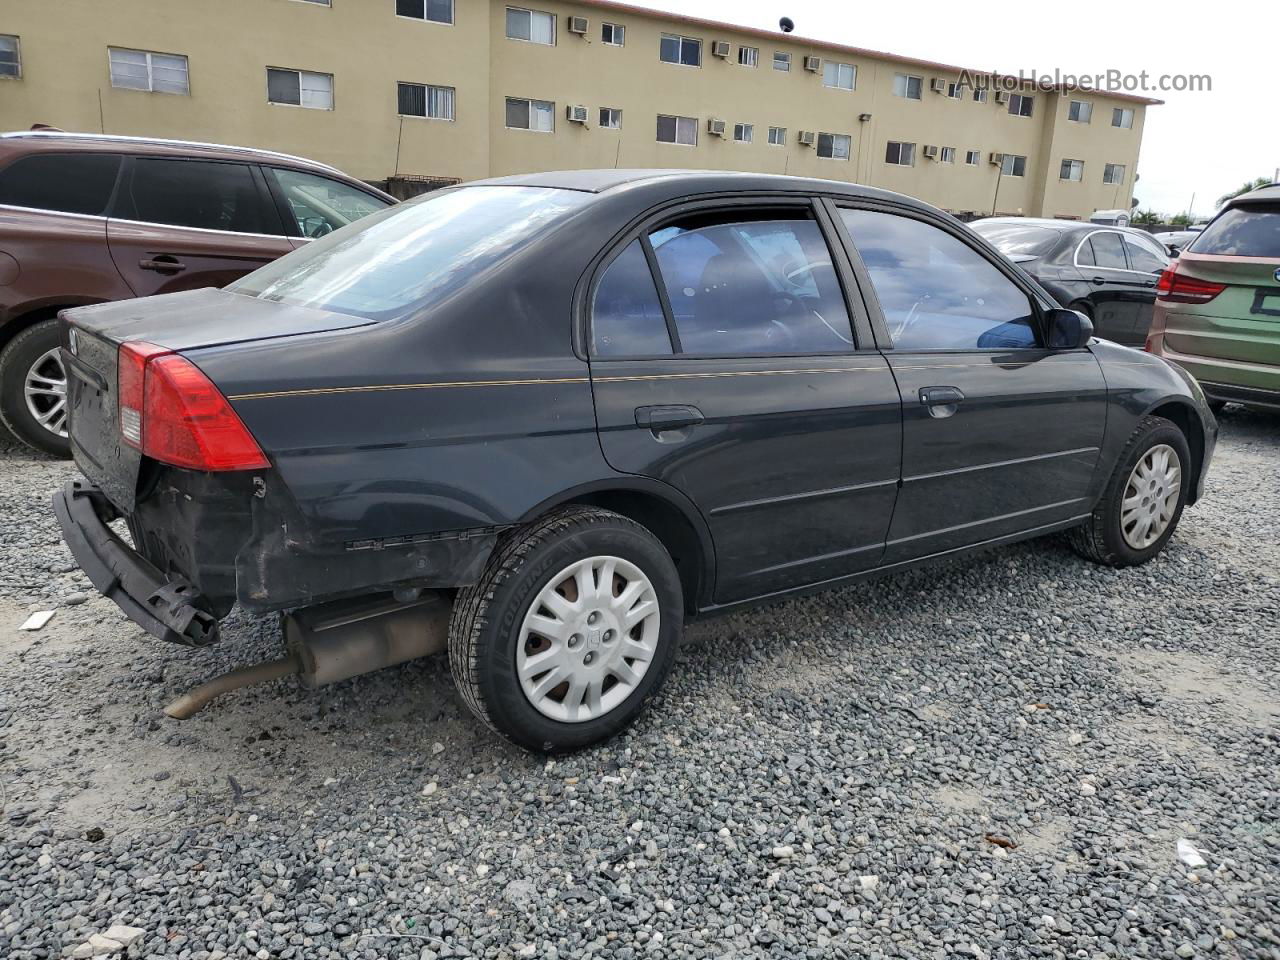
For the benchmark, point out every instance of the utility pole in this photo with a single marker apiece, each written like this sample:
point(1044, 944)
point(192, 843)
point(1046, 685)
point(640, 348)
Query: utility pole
point(999, 176)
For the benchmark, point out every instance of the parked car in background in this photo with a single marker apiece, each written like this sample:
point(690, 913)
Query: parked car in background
point(576, 408)
point(1217, 310)
point(1107, 273)
point(86, 218)
point(1176, 240)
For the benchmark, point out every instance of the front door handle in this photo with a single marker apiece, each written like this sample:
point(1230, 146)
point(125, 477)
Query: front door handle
point(675, 417)
point(163, 264)
point(941, 401)
point(1097, 280)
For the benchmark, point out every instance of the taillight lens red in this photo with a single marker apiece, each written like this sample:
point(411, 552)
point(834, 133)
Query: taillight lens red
point(1179, 288)
point(173, 413)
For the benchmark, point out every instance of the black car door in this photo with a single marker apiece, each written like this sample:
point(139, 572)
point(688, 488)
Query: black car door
point(1114, 291)
point(737, 379)
point(1000, 434)
point(1146, 261)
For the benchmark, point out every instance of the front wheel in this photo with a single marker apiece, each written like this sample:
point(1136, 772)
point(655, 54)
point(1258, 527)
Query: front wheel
point(570, 631)
point(33, 389)
point(1143, 500)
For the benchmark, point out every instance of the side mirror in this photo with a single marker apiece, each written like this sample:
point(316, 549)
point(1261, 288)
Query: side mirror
point(1067, 329)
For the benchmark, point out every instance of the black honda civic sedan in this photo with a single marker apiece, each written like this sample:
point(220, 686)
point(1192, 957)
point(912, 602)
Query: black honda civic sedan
point(1107, 273)
point(564, 413)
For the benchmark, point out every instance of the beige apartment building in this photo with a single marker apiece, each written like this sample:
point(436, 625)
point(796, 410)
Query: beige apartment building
point(422, 91)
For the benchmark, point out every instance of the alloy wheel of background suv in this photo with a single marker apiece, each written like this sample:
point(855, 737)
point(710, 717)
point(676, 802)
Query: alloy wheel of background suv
point(33, 389)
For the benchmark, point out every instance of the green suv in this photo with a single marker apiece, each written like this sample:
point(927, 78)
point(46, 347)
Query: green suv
point(1217, 310)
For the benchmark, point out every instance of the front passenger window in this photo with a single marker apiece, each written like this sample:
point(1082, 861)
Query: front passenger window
point(320, 205)
point(937, 292)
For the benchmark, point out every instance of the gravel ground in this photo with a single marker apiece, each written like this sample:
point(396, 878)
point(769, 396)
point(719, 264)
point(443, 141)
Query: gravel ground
point(992, 758)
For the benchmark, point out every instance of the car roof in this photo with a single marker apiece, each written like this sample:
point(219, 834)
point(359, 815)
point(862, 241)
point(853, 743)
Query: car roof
point(1051, 224)
point(158, 145)
point(1266, 194)
point(693, 181)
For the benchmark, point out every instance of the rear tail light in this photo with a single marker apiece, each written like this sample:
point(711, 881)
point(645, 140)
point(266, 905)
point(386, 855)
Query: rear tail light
point(1179, 288)
point(173, 413)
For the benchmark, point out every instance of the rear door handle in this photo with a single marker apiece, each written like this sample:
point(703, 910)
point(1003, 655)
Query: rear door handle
point(941, 401)
point(1098, 280)
point(674, 417)
point(163, 264)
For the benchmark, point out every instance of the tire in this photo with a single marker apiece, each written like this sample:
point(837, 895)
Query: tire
point(1102, 538)
point(489, 638)
point(28, 348)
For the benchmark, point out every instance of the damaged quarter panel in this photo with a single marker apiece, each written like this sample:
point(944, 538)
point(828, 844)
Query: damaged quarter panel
point(401, 450)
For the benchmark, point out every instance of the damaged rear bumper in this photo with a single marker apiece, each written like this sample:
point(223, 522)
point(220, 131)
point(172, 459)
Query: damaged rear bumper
point(167, 608)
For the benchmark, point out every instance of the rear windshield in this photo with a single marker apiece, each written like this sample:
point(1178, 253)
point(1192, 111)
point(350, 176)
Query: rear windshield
point(409, 257)
point(1018, 238)
point(1250, 230)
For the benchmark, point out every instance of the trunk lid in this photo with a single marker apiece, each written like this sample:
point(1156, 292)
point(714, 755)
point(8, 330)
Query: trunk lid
point(179, 322)
point(1241, 324)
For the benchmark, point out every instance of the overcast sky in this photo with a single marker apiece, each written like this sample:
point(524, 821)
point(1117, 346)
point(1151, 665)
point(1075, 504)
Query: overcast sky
point(1196, 143)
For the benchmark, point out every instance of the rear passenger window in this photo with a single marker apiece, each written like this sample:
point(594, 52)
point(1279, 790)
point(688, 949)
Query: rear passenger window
point(1104, 249)
point(1143, 259)
point(196, 193)
point(73, 183)
point(937, 292)
point(748, 285)
point(626, 314)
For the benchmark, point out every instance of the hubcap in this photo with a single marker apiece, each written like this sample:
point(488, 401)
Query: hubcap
point(46, 393)
point(1151, 496)
point(588, 639)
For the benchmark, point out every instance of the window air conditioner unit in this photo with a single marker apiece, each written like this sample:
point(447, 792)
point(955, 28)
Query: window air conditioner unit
point(715, 127)
point(931, 151)
point(806, 138)
point(720, 48)
point(576, 114)
point(1002, 97)
point(813, 64)
point(937, 85)
point(578, 25)
point(995, 158)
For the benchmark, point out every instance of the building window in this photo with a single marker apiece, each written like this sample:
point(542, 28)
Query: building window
point(781, 61)
point(948, 155)
point(424, 100)
point(1080, 111)
point(1071, 170)
point(748, 56)
point(536, 115)
point(979, 96)
point(907, 86)
point(10, 57)
point(299, 88)
point(682, 130)
point(955, 91)
point(154, 72)
point(1021, 104)
point(1013, 166)
point(1122, 117)
point(839, 75)
point(682, 50)
point(901, 154)
point(610, 119)
point(834, 146)
point(534, 26)
point(323, 3)
point(972, 157)
point(744, 132)
point(777, 136)
point(436, 11)
point(614, 34)
point(1113, 173)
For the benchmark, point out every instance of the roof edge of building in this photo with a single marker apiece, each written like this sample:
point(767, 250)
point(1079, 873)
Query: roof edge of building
point(830, 45)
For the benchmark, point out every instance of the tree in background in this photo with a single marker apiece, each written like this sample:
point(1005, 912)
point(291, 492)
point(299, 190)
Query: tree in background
point(1248, 186)
point(1147, 218)
point(1180, 220)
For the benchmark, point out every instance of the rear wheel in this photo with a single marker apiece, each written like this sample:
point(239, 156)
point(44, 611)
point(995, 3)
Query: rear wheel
point(571, 629)
point(1143, 501)
point(33, 389)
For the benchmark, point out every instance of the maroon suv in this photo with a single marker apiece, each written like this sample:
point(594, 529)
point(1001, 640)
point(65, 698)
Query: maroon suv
point(86, 218)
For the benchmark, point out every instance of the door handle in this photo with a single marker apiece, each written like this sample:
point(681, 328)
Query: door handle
point(675, 417)
point(163, 264)
point(941, 401)
point(1098, 280)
